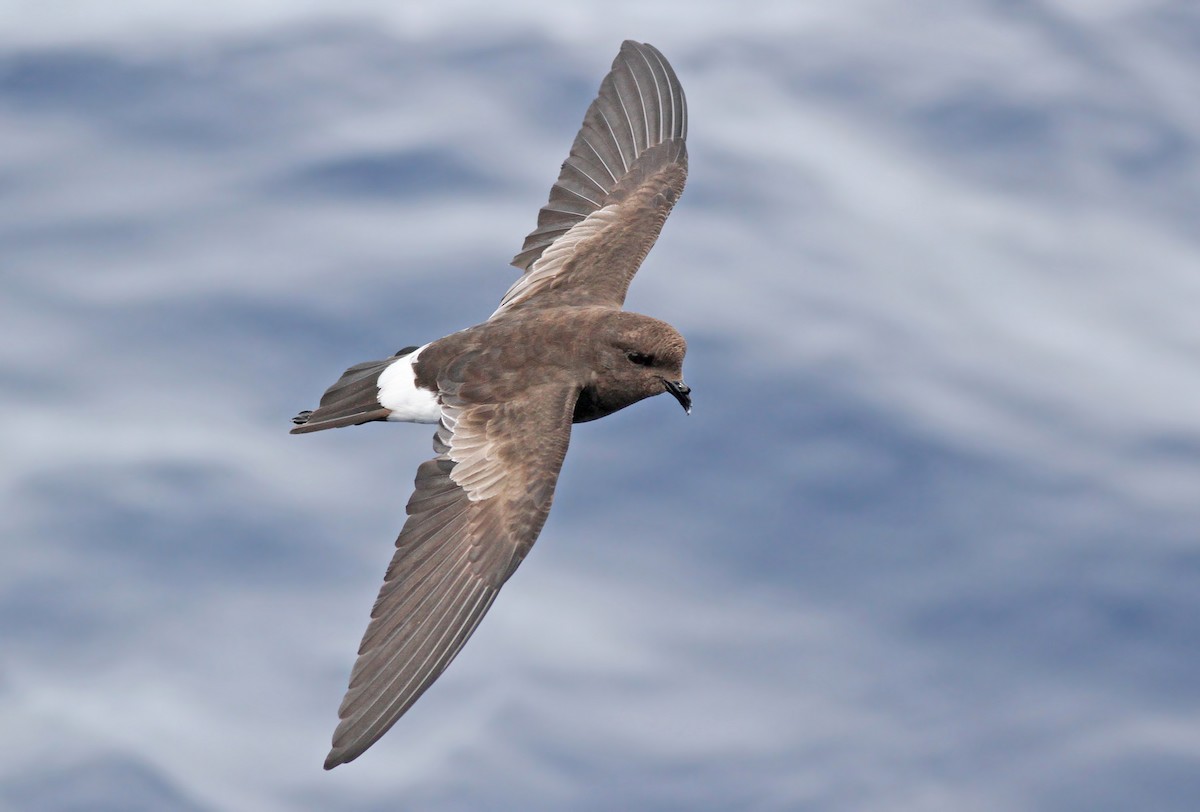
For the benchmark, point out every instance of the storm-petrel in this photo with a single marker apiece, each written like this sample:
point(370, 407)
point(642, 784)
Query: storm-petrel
point(559, 350)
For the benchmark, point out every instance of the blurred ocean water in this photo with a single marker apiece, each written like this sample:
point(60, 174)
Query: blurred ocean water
point(930, 539)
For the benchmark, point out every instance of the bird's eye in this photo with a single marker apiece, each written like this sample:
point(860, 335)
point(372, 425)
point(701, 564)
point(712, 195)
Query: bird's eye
point(640, 358)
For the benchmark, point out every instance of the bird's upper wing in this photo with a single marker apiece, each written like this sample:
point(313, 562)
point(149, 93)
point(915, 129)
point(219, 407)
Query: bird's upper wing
point(477, 508)
point(626, 169)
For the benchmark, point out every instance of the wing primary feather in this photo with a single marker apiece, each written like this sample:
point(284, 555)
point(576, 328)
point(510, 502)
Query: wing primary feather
point(352, 737)
point(379, 719)
point(550, 210)
point(451, 652)
point(629, 121)
point(378, 676)
point(641, 97)
point(683, 114)
point(594, 182)
point(599, 157)
point(435, 648)
point(662, 136)
point(580, 195)
point(669, 76)
point(616, 141)
point(396, 618)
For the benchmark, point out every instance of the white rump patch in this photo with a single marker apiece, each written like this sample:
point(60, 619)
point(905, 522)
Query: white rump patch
point(400, 395)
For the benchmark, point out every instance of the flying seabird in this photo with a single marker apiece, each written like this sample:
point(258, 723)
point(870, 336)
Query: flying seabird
point(558, 350)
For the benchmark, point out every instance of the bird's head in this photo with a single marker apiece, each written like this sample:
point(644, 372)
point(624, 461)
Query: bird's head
point(642, 358)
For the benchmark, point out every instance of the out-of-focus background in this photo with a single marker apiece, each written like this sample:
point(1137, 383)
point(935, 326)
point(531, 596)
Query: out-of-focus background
point(930, 540)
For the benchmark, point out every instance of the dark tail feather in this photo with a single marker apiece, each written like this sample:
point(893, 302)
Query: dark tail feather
point(349, 402)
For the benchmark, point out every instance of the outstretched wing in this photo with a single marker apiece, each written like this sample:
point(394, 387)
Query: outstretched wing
point(477, 508)
point(626, 169)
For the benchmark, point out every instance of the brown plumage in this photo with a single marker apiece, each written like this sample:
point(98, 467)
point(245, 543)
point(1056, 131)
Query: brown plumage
point(559, 350)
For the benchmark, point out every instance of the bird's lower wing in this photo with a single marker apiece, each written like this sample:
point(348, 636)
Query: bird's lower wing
point(477, 508)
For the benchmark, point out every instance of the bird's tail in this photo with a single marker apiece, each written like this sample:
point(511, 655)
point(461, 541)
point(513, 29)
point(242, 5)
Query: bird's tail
point(354, 399)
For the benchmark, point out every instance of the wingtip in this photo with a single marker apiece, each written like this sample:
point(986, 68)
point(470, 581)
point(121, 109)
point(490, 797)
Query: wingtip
point(639, 47)
point(336, 757)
